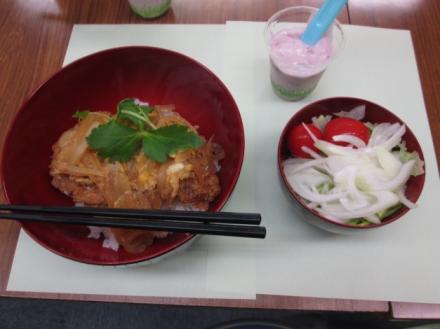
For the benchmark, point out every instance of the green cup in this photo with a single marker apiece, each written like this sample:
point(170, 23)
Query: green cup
point(149, 8)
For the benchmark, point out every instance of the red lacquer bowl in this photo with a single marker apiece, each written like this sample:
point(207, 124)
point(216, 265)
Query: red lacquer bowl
point(374, 113)
point(99, 82)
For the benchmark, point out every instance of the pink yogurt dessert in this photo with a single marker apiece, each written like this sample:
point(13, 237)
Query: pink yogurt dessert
point(296, 67)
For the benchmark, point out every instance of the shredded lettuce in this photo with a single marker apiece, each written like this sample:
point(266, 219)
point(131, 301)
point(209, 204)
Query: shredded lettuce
point(321, 121)
point(381, 215)
point(362, 184)
point(369, 125)
point(324, 188)
point(359, 222)
point(401, 152)
point(389, 211)
point(388, 162)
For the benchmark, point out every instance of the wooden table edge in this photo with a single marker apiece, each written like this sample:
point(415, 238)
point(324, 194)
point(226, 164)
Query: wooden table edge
point(261, 302)
point(414, 311)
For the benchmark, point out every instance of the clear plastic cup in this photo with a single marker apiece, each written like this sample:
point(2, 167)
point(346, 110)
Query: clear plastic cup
point(294, 78)
point(149, 8)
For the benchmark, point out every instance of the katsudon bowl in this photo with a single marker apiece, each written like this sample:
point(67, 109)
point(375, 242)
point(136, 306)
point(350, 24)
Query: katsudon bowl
point(98, 82)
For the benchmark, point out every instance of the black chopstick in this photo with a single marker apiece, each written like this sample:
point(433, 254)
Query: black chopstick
point(172, 215)
point(198, 226)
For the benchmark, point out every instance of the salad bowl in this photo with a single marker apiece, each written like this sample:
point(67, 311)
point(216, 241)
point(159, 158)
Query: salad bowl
point(320, 118)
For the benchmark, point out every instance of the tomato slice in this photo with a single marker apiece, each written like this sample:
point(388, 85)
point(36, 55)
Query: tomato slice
point(299, 137)
point(345, 126)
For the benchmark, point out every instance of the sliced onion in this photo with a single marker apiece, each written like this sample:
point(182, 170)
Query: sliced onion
point(395, 139)
point(353, 204)
point(351, 184)
point(292, 162)
point(312, 205)
point(386, 135)
point(385, 199)
point(399, 180)
point(293, 169)
point(353, 140)
point(388, 162)
point(404, 200)
point(312, 136)
point(357, 113)
point(337, 163)
point(312, 178)
point(64, 168)
point(382, 132)
point(333, 149)
point(354, 199)
point(358, 198)
point(310, 152)
point(373, 219)
point(307, 194)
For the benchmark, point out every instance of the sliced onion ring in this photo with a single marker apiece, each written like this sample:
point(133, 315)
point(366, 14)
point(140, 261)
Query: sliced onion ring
point(353, 140)
point(404, 200)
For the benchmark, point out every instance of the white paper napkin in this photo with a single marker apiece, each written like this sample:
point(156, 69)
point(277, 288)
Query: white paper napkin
point(397, 262)
point(214, 267)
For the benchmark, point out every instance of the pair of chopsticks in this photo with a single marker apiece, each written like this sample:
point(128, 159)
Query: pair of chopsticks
point(195, 222)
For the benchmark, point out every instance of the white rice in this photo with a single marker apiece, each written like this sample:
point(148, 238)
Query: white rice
point(110, 241)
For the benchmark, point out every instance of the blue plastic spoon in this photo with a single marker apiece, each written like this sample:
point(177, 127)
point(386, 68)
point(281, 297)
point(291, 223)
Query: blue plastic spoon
point(322, 20)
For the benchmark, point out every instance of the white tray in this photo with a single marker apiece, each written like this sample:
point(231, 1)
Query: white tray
point(397, 263)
